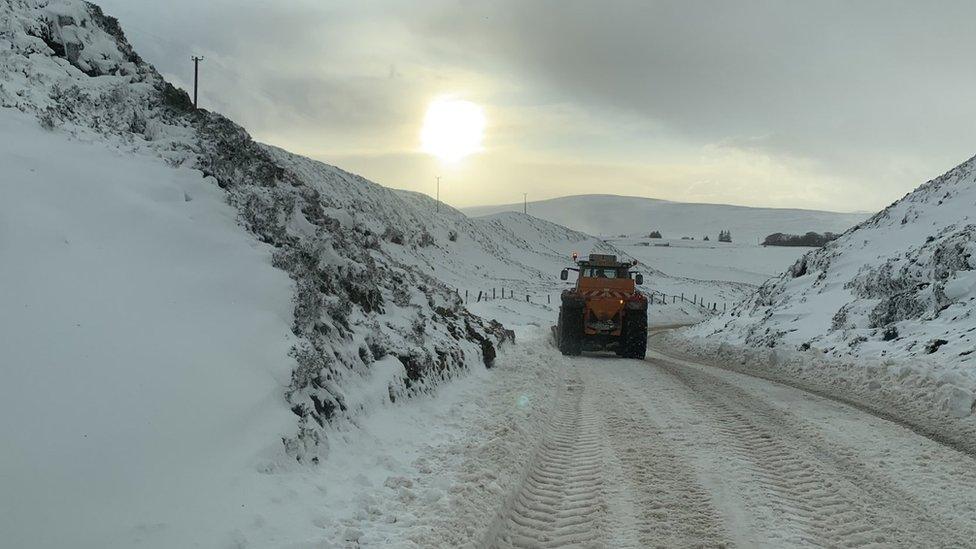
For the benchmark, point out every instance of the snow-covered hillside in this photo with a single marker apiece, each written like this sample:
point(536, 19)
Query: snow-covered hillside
point(184, 310)
point(888, 308)
point(356, 307)
point(901, 285)
point(610, 215)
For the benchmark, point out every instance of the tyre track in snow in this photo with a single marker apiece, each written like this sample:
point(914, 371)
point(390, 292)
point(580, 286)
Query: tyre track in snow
point(560, 501)
point(603, 476)
point(818, 487)
point(672, 508)
point(916, 417)
point(673, 453)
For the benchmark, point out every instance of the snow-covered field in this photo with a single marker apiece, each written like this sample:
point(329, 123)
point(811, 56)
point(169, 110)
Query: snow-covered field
point(612, 216)
point(745, 263)
point(719, 273)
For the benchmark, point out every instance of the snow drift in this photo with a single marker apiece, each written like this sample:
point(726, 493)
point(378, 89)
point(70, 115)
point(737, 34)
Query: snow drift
point(144, 345)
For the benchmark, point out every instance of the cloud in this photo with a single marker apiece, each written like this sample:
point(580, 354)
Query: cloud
point(831, 99)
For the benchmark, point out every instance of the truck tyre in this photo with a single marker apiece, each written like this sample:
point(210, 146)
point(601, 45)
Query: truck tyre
point(570, 330)
point(633, 336)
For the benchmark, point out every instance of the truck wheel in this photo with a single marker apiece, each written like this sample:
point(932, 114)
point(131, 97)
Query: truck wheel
point(571, 331)
point(633, 342)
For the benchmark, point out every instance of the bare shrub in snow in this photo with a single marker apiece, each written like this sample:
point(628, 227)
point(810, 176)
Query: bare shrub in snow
point(46, 120)
point(424, 239)
point(394, 235)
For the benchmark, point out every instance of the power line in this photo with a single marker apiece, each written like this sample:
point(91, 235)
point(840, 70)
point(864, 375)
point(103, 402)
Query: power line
point(196, 77)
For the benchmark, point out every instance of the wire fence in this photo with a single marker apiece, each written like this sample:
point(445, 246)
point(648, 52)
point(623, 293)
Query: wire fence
point(695, 299)
point(654, 297)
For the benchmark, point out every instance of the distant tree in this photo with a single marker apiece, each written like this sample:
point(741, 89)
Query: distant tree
point(811, 239)
point(654, 234)
point(725, 236)
point(706, 238)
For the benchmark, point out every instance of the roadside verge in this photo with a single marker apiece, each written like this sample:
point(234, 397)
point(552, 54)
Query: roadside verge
point(935, 403)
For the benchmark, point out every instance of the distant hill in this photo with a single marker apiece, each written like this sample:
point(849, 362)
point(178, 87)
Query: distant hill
point(601, 214)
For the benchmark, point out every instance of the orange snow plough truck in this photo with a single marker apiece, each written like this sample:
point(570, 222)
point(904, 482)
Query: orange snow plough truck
point(604, 311)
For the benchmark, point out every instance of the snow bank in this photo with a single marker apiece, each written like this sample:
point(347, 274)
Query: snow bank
point(920, 394)
point(143, 349)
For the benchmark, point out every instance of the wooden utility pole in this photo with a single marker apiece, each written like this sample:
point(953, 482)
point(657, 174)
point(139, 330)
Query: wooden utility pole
point(196, 77)
point(525, 203)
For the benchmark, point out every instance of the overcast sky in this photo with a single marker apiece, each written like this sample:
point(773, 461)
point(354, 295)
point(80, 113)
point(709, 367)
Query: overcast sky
point(828, 105)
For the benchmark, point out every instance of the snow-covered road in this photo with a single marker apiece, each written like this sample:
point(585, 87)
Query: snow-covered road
point(598, 451)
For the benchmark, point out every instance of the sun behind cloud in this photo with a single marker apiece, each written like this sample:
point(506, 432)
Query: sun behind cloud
point(453, 129)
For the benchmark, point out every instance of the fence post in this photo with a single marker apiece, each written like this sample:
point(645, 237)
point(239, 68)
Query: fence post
point(724, 306)
point(526, 298)
point(548, 299)
point(479, 296)
point(493, 293)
